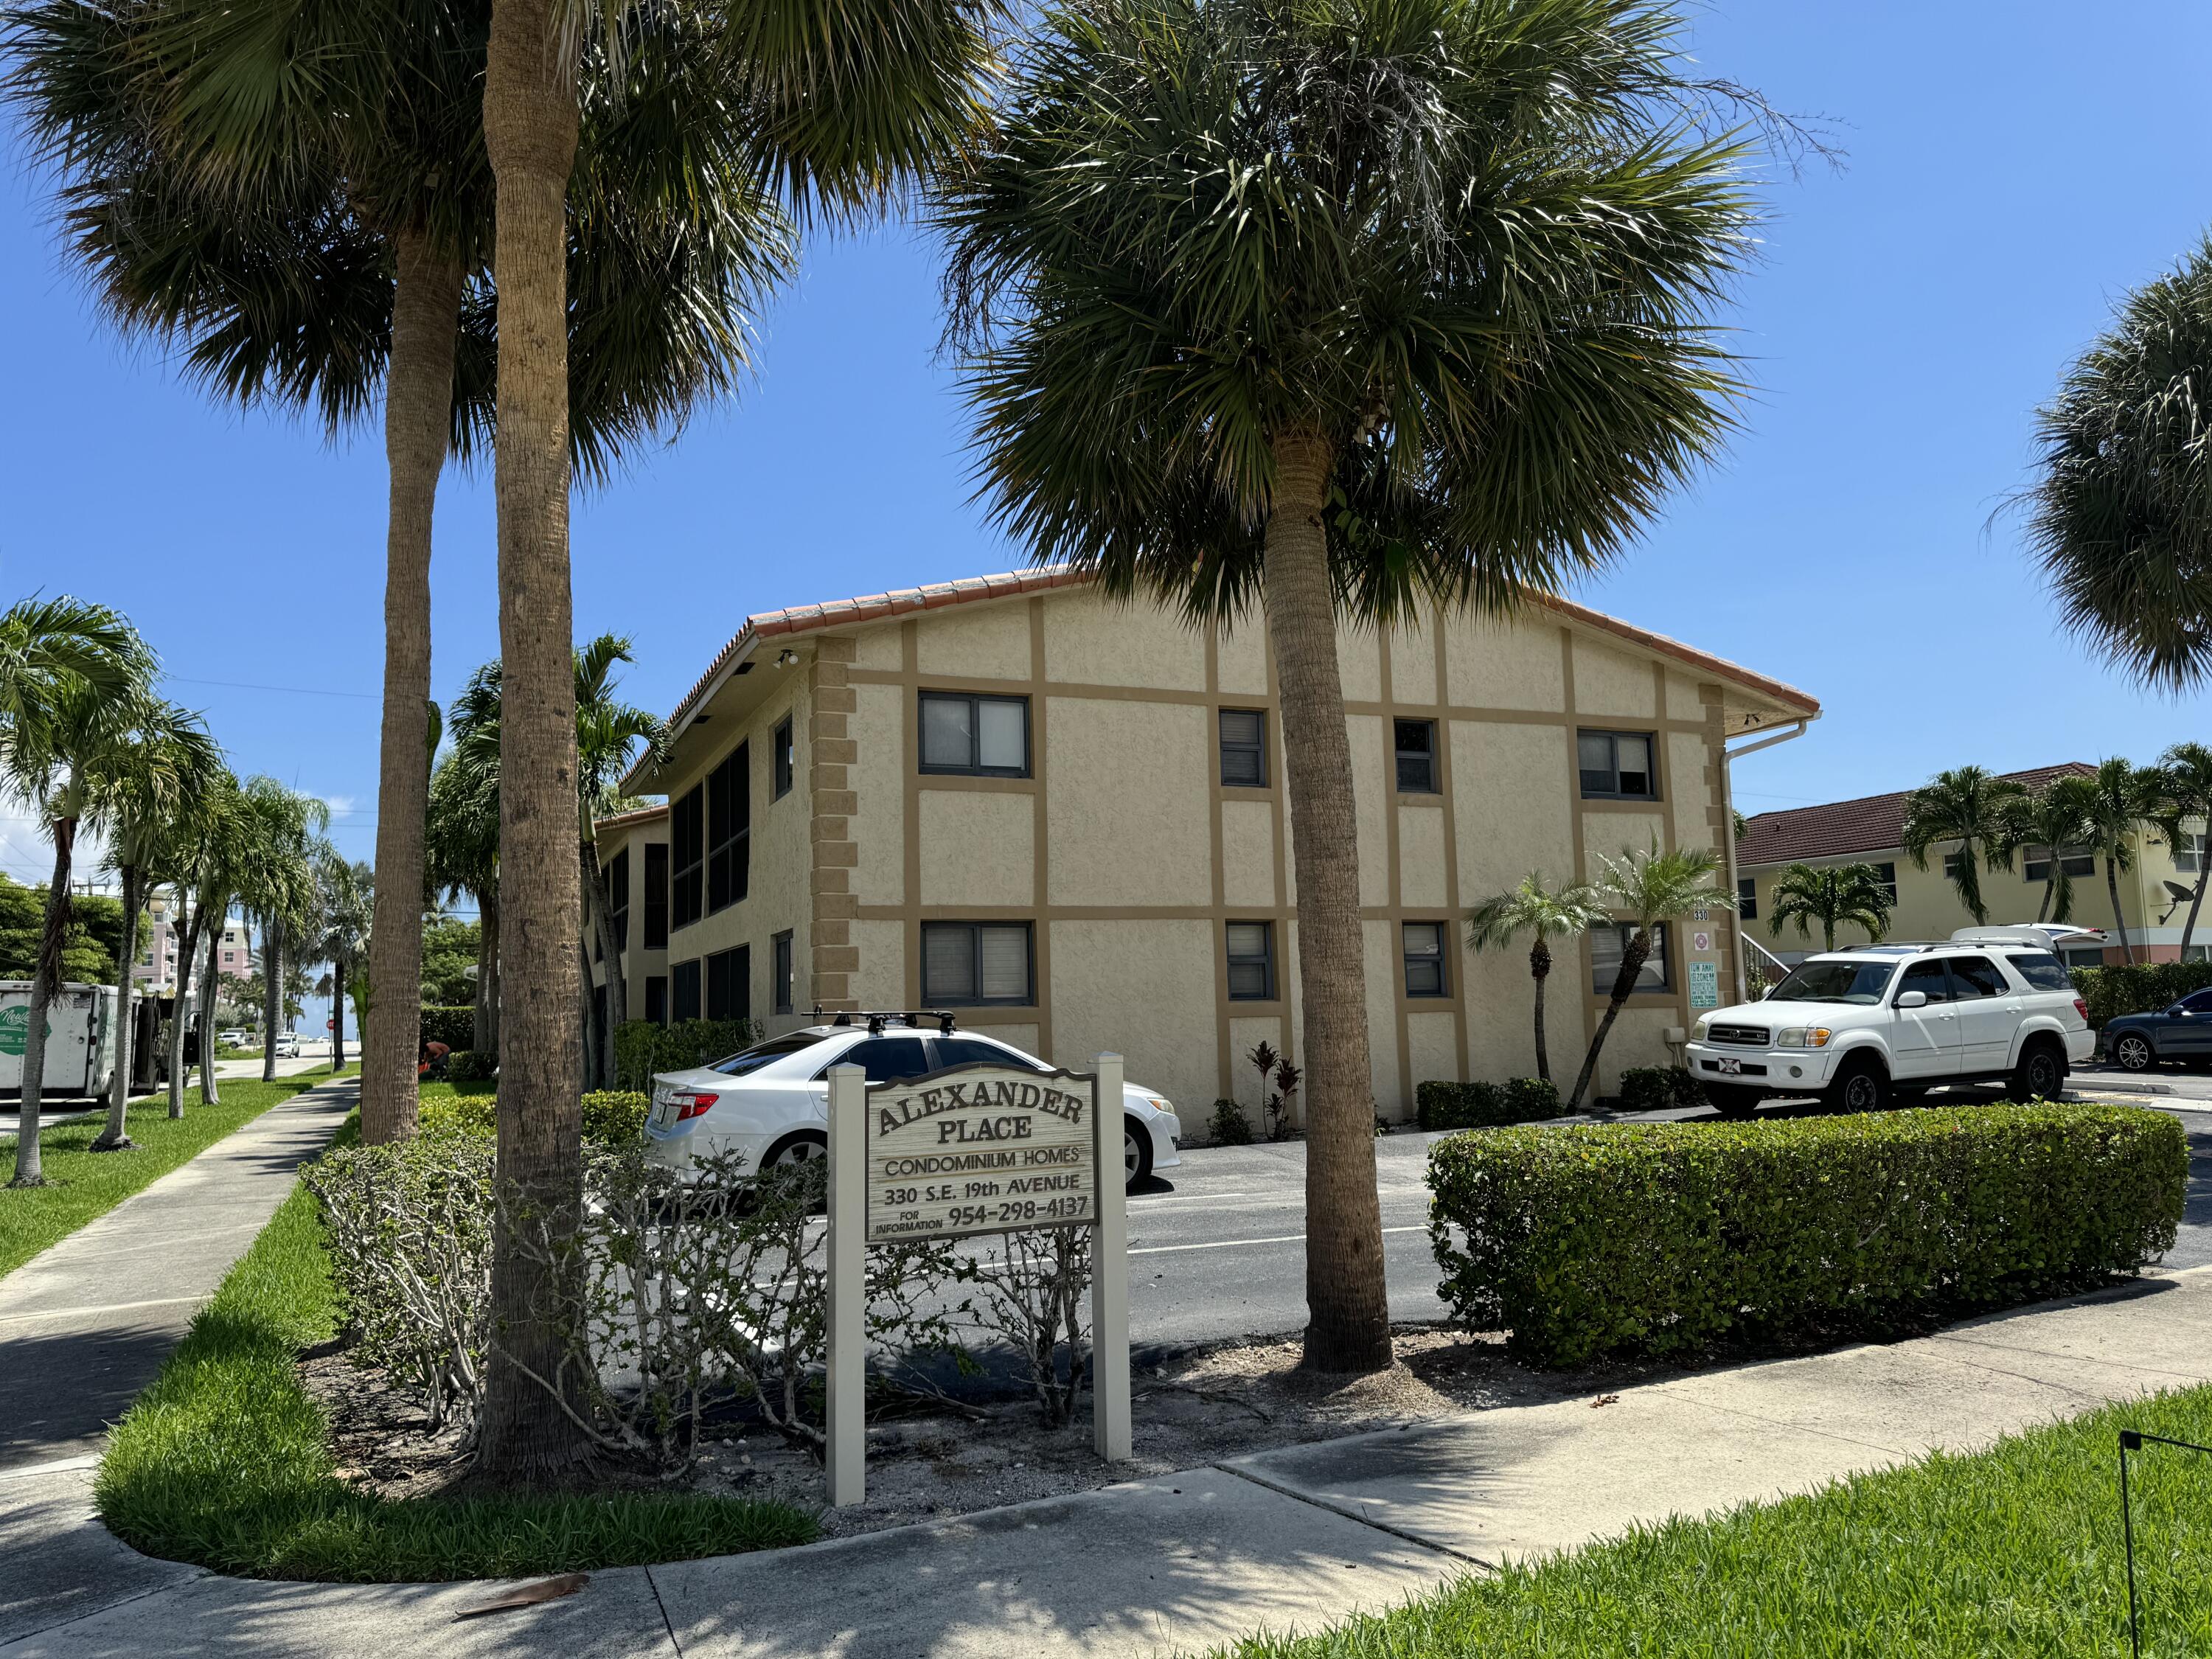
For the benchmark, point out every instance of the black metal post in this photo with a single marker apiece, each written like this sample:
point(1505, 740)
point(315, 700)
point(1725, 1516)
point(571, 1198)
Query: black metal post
point(2134, 1440)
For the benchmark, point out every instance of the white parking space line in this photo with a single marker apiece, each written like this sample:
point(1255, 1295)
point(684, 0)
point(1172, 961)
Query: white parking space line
point(1233, 1244)
point(1186, 1198)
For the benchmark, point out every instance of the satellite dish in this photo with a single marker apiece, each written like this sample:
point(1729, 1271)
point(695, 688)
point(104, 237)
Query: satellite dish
point(2181, 894)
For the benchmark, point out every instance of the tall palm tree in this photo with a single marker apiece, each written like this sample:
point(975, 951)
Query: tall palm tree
point(464, 842)
point(2121, 799)
point(2055, 817)
point(2185, 783)
point(1544, 913)
point(302, 201)
point(1967, 806)
point(344, 900)
point(278, 847)
point(1342, 311)
point(1836, 895)
point(195, 869)
point(1646, 890)
point(59, 749)
point(149, 789)
point(2120, 512)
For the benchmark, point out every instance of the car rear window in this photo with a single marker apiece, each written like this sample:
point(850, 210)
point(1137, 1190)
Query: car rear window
point(2040, 970)
point(760, 1053)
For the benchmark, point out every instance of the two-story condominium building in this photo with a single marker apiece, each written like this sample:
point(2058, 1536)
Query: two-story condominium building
point(2154, 884)
point(1063, 818)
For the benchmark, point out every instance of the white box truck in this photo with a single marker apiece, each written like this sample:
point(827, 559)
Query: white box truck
point(81, 1040)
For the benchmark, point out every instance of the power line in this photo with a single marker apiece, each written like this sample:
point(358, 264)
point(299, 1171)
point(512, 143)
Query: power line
point(304, 690)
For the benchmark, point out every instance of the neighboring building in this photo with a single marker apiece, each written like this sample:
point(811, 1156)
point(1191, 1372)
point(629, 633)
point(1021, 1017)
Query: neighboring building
point(633, 852)
point(1064, 818)
point(156, 967)
point(1871, 830)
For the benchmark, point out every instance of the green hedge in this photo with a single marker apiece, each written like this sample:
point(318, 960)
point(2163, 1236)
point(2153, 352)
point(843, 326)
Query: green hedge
point(471, 1065)
point(2143, 989)
point(642, 1047)
point(1661, 1238)
point(613, 1117)
point(1439, 1105)
point(454, 1027)
point(1655, 1088)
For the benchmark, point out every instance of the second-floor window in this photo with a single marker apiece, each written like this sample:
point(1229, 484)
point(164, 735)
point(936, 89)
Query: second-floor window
point(1417, 756)
point(782, 985)
point(618, 897)
point(685, 985)
point(967, 963)
point(2189, 854)
point(1746, 899)
point(1886, 870)
point(687, 882)
point(2072, 861)
point(780, 785)
point(1424, 959)
point(985, 736)
point(729, 984)
point(729, 829)
point(656, 896)
point(1616, 765)
point(1244, 748)
point(1251, 962)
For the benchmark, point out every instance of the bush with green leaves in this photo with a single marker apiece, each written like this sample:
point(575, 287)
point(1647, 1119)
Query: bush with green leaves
point(472, 1065)
point(1656, 1239)
point(613, 1118)
point(1440, 1105)
point(1228, 1126)
point(1655, 1088)
point(641, 1047)
point(454, 1027)
point(2142, 989)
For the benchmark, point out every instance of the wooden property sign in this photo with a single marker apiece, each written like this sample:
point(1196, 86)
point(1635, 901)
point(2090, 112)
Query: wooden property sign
point(980, 1149)
point(976, 1149)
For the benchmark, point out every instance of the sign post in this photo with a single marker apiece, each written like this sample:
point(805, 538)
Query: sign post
point(847, 1401)
point(974, 1149)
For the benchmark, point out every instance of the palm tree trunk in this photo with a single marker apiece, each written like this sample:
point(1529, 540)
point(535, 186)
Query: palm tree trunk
point(530, 121)
point(1631, 965)
point(481, 1036)
point(2113, 886)
point(1346, 1294)
point(180, 1005)
point(590, 1012)
point(46, 980)
point(600, 898)
point(1540, 969)
point(337, 1011)
point(418, 406)
point(272, 994)
point(210, 989)
point(2050, 888)
point(116, 1135)
point(2196, 899)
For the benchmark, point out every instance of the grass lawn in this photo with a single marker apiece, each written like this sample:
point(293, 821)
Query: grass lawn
point(225, 1462)
point(81, 1185)
point(2014, 1551)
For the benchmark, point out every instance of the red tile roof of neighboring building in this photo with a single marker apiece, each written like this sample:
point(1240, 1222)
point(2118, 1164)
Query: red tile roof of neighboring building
point(1872, 824)
point(635, 815)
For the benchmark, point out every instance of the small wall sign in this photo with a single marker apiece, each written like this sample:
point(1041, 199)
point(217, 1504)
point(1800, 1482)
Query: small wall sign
point(1704, 985)
point(1701, 941)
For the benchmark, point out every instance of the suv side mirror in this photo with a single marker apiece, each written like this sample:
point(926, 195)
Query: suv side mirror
point(1912, 999)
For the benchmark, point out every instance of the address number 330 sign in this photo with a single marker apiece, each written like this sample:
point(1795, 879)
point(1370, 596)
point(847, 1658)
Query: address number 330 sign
point(976, 1149)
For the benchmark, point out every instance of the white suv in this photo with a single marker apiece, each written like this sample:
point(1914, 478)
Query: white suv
point(1856, 1026)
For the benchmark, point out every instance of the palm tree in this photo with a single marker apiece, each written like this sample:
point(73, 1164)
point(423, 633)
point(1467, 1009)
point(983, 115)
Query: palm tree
point(1344, 311)
point(1967, 806)
point(2120, 514)
point(1646, 889)
point(2186, 783)
point(1836, 895)
point(464, 842)
point(1544, 913)
point(2121, 799)
point(67, 735)
point(194, 869)
point(2054, 817)
point(278, 847)
point(149, 790)
point(344, 899)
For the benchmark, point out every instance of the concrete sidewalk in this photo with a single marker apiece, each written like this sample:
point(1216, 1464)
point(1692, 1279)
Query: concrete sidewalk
point(85, 1326)
point(1297, 1537)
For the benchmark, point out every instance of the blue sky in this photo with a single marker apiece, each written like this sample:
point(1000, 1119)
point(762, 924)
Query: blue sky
point(2012, 168)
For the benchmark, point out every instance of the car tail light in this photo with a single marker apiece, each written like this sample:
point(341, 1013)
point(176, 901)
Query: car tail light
point(690, 1105)
point(2082, 1009)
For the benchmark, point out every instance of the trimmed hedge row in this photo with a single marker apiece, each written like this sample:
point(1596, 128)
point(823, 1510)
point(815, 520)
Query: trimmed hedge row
point(1442, 1105)
point(2144, 988)
point(454, 1027)
point(1655, 1088)
point(613, 1117)
point(1662, 1238)
point(642, 1047)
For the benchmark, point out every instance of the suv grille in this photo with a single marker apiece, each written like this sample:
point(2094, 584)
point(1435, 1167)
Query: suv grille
point(1743, 1036)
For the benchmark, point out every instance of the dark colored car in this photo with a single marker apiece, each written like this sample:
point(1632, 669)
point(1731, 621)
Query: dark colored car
point(2180, 1033)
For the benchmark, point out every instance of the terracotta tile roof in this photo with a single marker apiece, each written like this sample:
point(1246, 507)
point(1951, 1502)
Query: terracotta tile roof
point(635, 815)
point(1872, 824)
point(838, 613)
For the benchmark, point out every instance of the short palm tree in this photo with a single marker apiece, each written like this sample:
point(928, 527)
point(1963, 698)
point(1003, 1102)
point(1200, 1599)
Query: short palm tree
point(463, 847)
point(2120, 514)
point(1544, 913)
point(2122, 800)
point(1340, 310)
point(1970, 807)
point(1834, 895)
point(2186, 783)
point(1644, 890)
point(2055, 818)
point(279, 846)
point(150, 789)
point(345, 901)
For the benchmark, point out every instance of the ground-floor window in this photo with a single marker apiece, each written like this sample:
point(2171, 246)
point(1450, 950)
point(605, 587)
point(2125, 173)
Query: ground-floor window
point(1607, 945)
point(970, 962)
point(1424, 959)
point(730, 984)
point(656, 999)
point(686, 987)
point(782, 944)
point(1251, 961)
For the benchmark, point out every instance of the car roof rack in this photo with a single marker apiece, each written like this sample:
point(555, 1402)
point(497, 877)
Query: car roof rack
point(877, 1019)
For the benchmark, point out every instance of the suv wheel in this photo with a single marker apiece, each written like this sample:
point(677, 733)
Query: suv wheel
point(2133, 1052)
point(1732, 1101)
point(1861, 1086)
point(2041, 1074)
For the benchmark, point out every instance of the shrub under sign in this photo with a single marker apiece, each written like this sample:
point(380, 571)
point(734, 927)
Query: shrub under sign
point(973, 1150)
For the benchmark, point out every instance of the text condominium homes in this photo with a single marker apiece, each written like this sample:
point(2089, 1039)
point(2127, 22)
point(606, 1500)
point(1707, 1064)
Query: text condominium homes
point(1062, 818)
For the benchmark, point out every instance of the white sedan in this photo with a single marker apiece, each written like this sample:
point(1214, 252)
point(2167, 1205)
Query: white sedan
point(770, 1104)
